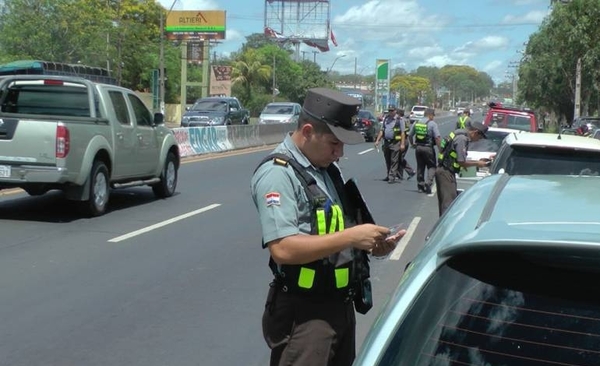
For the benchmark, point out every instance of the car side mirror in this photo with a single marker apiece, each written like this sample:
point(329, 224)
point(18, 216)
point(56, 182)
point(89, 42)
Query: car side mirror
point(233, 109)
point(187, 108)
point(159, 118)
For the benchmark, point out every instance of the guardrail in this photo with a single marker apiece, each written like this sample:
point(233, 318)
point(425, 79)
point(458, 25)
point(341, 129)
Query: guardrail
point(203, 140)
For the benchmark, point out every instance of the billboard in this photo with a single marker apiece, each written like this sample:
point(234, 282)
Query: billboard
point(382, 84)
point(220, 80)
point(195, 25)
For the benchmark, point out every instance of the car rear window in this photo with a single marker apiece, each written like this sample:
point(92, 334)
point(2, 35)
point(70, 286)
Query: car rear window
point(419, 109)
point(491, 144)
point(526, 160)
point(515, 122)
point(501, 309)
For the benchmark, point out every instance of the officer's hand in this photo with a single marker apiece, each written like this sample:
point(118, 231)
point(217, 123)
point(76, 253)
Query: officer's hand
point(402, 147)
point(385, 247)
point(366, 236)
point(482, 163)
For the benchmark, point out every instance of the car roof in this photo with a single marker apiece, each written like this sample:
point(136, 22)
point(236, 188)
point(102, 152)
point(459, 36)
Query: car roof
point(552, 140)
point(533, 208)
point(518, 214)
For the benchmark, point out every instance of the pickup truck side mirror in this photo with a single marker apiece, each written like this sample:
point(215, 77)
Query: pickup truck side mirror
point(187, 108)
point(159, 118)
point(233, 109)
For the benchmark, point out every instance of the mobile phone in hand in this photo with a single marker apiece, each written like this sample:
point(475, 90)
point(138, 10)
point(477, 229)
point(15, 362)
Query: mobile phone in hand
point(394, 231)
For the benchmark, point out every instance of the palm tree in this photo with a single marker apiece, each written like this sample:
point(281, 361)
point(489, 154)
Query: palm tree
point(249, 71)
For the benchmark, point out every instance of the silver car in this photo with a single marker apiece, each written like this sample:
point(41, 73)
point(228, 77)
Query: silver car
point(280, 112)
point(506, 277)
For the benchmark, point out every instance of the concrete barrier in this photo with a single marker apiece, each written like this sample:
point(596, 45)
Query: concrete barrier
point(203, 140)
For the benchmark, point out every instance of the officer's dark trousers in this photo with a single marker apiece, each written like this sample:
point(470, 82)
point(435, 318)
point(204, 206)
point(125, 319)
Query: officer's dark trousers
point(425, 155)
point(445, 181)
point(391, 154)
point(403, 166)
point(308, 332)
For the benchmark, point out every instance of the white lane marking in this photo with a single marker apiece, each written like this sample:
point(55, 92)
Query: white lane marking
point(433, 190)
point(397, 253)
point(366, 151)
point(164, 223)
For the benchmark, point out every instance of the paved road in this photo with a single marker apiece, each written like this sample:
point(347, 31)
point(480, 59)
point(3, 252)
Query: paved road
point(179, 281)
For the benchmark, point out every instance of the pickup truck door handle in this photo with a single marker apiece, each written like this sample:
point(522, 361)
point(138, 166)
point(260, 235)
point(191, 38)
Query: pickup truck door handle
point(140, 136)
point(120, 135)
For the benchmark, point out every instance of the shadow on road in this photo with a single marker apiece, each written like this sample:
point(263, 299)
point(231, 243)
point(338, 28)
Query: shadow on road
point(53, 207)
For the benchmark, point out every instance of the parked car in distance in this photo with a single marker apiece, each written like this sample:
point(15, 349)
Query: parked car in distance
point(215, 111)
point(417, 112)
point(280, 112)
point(511, 117)
point(367, 124)
point(593, 123)
point(503, 279)
point(486, 149)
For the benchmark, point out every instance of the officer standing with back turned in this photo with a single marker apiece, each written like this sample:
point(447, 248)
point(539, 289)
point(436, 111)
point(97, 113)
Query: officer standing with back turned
point(317, 236)
point(423, 136)
point(392, 133)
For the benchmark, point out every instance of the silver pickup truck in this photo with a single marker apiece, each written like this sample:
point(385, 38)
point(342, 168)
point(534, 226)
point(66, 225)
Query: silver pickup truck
point(81, 137)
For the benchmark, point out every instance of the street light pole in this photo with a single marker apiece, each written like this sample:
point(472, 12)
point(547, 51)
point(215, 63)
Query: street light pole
point(161, 93)
point(337, 58)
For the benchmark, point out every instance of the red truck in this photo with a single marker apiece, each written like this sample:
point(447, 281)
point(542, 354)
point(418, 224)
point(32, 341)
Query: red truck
point(523, 119)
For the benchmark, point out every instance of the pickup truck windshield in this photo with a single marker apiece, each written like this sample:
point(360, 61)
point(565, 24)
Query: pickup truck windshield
point(211, 106)
point(526, 160)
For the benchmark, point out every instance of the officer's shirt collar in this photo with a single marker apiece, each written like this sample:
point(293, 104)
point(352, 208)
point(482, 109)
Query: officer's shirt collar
point(296, 153)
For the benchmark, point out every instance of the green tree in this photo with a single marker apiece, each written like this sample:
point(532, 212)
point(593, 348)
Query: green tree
point(249, 71)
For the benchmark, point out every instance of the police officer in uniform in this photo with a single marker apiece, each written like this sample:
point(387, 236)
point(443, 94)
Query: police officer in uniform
point(312, 237)
point(464, 119)
point(423, 136)
point(392, 133)
point(404, 166)
point(453, 157)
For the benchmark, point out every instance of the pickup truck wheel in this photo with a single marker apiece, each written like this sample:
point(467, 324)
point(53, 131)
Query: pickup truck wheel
point(168, 178)
point(245, 121)
point(99, 190)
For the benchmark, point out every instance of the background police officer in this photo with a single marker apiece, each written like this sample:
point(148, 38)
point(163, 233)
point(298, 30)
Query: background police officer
point(392, 133)
point(313, 243)
point(464, 119)
point(423, 136)
point(453, 157)
point(404, 166)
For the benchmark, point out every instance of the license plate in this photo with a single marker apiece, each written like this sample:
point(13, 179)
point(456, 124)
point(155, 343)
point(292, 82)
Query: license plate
point(4, 171)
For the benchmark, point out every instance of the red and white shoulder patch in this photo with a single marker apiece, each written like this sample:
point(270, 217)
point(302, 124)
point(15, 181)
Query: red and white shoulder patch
point(273, 199)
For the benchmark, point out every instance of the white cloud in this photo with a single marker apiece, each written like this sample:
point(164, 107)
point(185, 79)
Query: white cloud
point(492, 66)
point(491, 42)
point(190, 4)
point(233, 35)
point(533, 17)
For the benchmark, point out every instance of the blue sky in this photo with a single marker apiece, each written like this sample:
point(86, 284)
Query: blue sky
point(485, 34)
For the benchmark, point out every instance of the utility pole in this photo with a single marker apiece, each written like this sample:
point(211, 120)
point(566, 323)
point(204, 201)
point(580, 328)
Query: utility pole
point(577, 90)
point(355, 72)
point(161, 71)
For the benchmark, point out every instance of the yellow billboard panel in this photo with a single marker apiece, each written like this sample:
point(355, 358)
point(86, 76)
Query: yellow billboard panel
point(196, 24)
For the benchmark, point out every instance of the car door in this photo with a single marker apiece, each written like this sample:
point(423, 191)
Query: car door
point(235, 112)
point(123, 137)
point(147, 146)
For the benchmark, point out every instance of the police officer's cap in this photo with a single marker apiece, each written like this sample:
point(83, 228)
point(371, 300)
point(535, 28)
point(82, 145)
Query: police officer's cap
point(479, 127)
point(335, 108)
point(430, 112)
point(391, 108)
